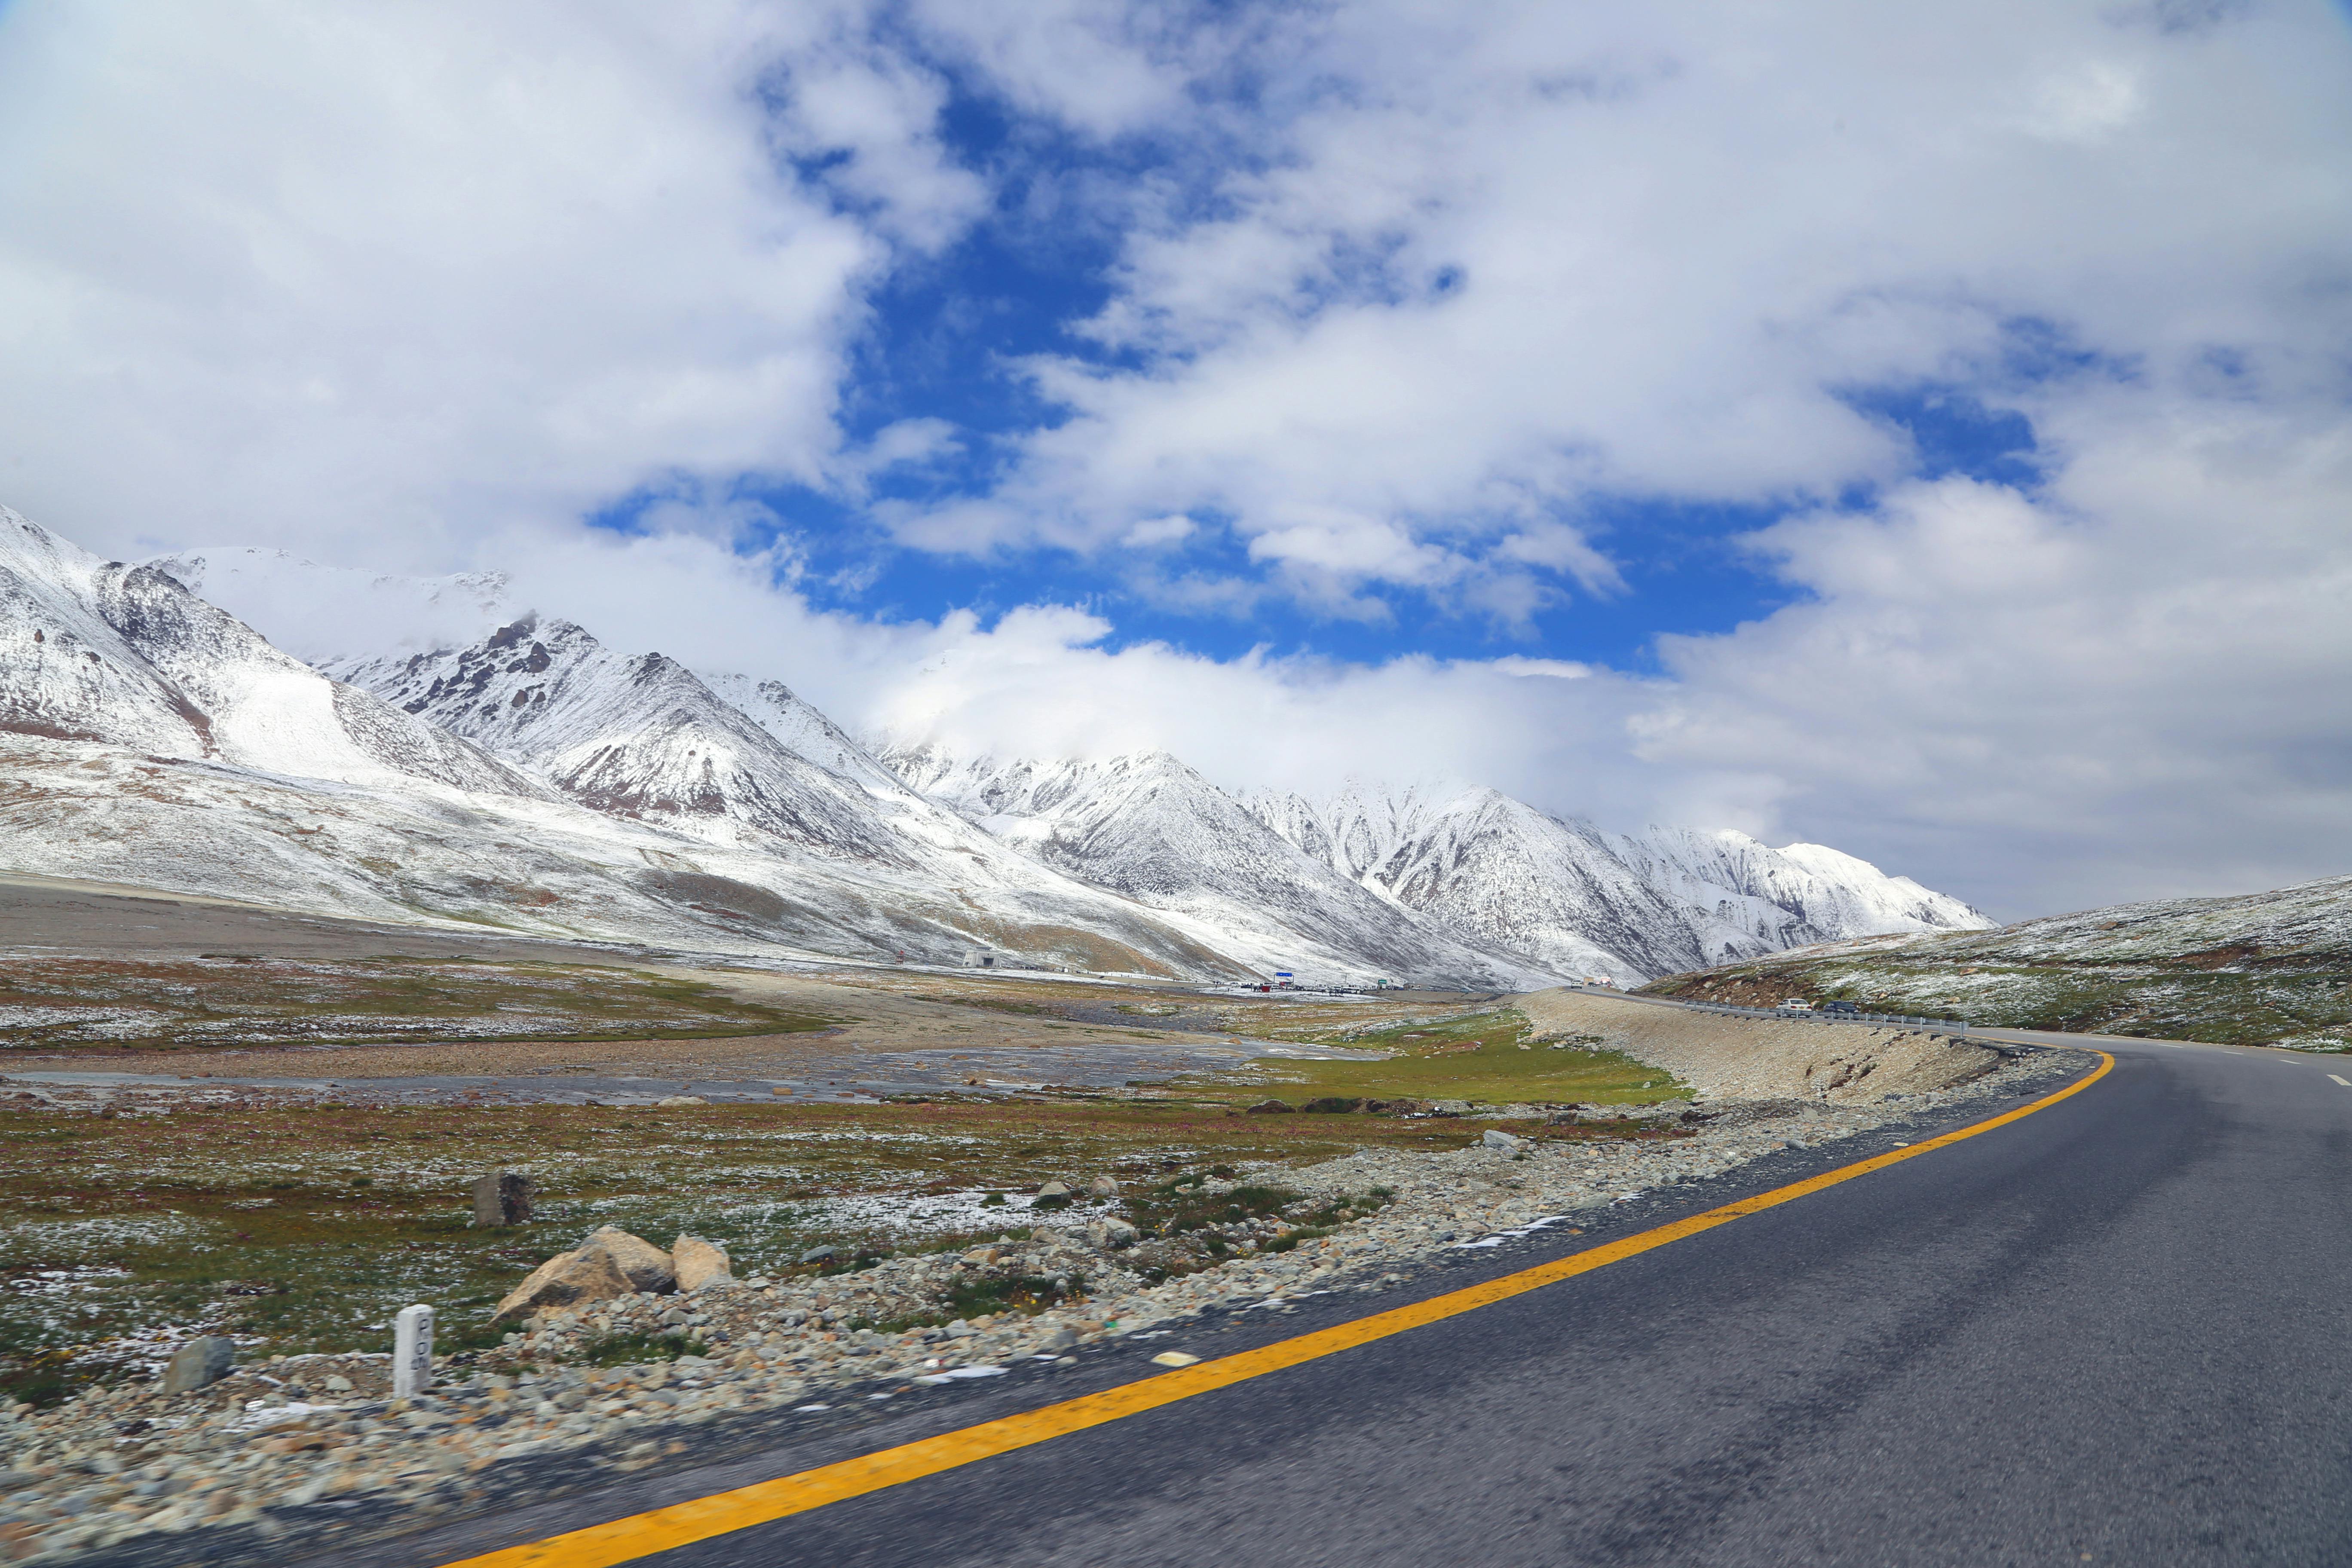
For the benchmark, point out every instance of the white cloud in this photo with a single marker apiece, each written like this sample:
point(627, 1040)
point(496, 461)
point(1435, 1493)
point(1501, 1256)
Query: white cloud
point(1169, 530)
point(1106, 68)
point(371, 281)
point(2085, 103)
point(1037, 683)
point(2132, 688)
point(1546, 251)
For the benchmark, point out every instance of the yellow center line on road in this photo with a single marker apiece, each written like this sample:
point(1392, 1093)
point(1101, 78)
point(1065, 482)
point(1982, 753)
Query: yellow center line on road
point(723, 1513)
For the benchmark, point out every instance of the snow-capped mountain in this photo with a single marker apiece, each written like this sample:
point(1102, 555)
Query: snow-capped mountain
point(1789, 897)
point(100, 651)
point(1491, 870)
point(637, 736)
point(1155, 830)
point(520, 774)
point(148, 738)
point(641, 737)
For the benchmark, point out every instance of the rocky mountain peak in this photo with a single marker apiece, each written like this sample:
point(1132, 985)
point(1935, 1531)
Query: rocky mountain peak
point(633, 734)
point(104, 651)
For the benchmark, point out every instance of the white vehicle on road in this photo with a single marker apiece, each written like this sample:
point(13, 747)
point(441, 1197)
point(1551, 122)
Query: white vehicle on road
point(1795, 1005)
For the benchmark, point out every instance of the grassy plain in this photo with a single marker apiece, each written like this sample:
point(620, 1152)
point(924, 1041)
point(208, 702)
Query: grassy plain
point(295, 1223)
point(307, 1227)
point(113, 1003)
point(1487, 1057)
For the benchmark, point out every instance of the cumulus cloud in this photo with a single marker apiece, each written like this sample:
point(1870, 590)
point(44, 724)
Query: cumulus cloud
point(2130, 687)
point(372, 280)
point(1553, 252)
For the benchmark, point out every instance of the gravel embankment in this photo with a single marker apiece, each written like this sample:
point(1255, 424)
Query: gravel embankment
point(1726, 1057)
point(271, 1450)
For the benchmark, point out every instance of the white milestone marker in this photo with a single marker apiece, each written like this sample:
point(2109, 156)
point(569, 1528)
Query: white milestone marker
point(412, 1351)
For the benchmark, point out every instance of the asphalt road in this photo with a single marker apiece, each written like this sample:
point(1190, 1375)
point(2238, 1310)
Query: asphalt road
point(2113, 1332)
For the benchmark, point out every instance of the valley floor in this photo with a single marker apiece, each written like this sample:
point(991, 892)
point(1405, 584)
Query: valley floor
point(200, 1138)
point(265, 1459)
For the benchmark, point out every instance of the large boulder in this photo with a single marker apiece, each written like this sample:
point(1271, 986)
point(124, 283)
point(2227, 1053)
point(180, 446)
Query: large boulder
point(647, 1266)
point(566, 1279)
point(698, 1263)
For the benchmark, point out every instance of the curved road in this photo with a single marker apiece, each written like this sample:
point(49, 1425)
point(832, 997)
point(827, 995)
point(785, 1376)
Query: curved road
point(2117, 1331)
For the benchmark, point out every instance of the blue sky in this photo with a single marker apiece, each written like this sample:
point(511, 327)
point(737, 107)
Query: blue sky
point(945, 339)
point(1920, 431)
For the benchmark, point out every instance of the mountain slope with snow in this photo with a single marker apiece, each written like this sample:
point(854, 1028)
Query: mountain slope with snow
point(149, 738)
point(642, 737)
point(637, 736)
point(1789, 897)
point(2269, 968)
point(1157, 831)
point(102, 651)
point(1491, 870)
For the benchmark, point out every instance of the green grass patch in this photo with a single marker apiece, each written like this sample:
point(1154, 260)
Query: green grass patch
point(629, 1349)
point(1487, 1059)
point(991, 1004)
point(1173, 1208)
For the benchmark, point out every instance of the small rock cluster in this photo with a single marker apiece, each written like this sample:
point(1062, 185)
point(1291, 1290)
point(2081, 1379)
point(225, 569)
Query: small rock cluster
point(111, 1465)
point(613, 1263)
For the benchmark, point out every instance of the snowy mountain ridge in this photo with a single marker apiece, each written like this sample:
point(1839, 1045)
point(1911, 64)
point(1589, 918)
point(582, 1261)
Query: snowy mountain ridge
point(149, 738)
point(1152, 828)
point(1458, 879)
point(516, 772)
point(639, 736)
point(1494, 869)
point(102, 651)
